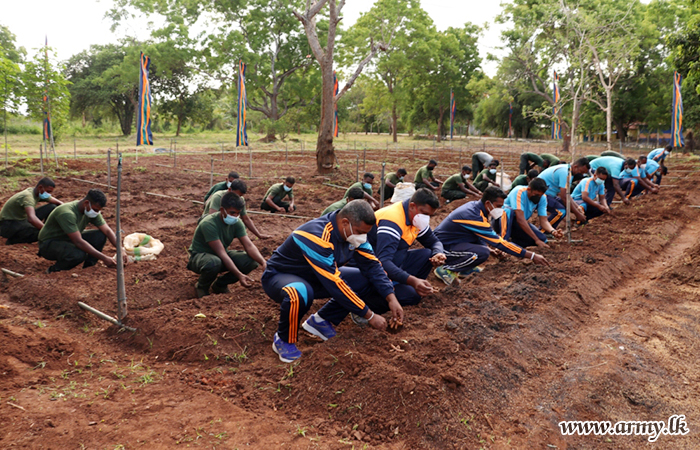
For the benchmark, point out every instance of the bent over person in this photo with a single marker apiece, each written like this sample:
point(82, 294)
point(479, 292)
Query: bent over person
point(308, 265)
point(274, 197)
point(209, 255)
point(63, 239)
point(20, 220)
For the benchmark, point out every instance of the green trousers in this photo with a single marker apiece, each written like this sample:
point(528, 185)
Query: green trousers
point(209, 267)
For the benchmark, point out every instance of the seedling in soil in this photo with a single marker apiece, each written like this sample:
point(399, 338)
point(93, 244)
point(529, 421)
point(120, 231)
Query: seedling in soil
point(39, 324)
point(41, 365)
point(301, 431)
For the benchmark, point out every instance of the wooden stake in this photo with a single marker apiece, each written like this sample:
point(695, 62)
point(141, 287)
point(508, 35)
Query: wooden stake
point(121, 290)
point(11, 273)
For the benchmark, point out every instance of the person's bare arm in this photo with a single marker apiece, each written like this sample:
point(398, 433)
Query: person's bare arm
point(272, 205)
point(55, 201)
point(107, 231)
point(77, 239)
point(248, 222)
point(389, 183)
point(525, 226)
point(371, 200)
point(563, 196)
point(604, 203)
point(220, 251)
point(32, 218)
point(472, 188)
point(547, 227)
point(253, 251)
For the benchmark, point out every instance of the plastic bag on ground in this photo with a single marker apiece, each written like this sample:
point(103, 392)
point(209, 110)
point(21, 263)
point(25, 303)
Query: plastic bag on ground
point(403, 191)
point(142, 247)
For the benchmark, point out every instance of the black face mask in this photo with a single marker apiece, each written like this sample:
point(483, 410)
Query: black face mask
point(535, 198)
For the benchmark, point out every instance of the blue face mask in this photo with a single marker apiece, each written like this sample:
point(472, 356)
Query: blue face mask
point(230, 220)
point(286, 188)
point(599, 182)
point(367, 185)
point(628, 171)
point(44, 196)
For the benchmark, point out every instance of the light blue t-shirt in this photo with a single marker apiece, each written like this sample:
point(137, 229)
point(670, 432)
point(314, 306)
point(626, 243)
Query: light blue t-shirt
point(555, 177)
point(612, 164)
point(591, 187)
point(633, 174)
point(651, 167)
point(518, 199)
point(658, 154)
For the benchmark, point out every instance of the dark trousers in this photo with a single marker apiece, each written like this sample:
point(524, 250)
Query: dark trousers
point(592, 212)
point(631, 187)
point(453, 194)
point(209, 267)
point(477, 166)
point(296, 295)
point(609, 190)
point(524, 164)
point(277, 201)
point(21, 231)
point(659, 174)
point(388, 192)
point(425, 185)
point(513, 231)
point(67, 255)
point(556, 210)
point(465, 256)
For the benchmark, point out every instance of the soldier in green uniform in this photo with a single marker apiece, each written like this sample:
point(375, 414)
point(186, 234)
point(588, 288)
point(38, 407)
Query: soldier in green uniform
point(274, 197)
point(354, 193)
point(458, 185)
point(549, 160)
point(366, 186)
point(424, 177)
point(524, 180)
point(63, 239)
point(20, 219)
point(214, 204)
point(487, 176)
point(391, 182)
point(224, 185)
point(209, 255)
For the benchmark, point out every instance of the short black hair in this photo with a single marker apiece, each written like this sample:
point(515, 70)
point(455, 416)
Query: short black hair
point(601, 171)
point(368, 175)
point(290, 180)
point(546, 163)
point(433, 162)
point(583, 162)
point(233, 175)
point(232, 200)
point(239, 185)
point(538, 184)
point(494, 162)
point(356, 193)
point(642, 157)
point(402, 171)
point(631, 163)
point(532, 174)
point(46, 182)
point(466, 168)
point(492, 193)
point(425, 196)
point(97, 196)
point(357, 212)
point(669, 147)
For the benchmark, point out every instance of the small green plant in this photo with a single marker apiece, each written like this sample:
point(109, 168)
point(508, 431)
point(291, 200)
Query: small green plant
point(301, 431)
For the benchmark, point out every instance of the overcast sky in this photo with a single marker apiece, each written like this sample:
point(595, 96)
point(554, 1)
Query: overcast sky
point(73, 25)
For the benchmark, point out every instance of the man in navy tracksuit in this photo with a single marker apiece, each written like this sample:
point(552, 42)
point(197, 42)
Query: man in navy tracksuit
point(305, 267)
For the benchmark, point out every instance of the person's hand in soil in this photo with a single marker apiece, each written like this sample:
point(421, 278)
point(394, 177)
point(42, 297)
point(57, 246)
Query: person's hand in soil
point(540, 260)
point(497, 253)
point(558, 234)
point(378, 322)
point(245, 280)
point(438, 259)
point(422, 287)
point(265, 236)
point(111, 262)
point(396, 312)
point(542, 244)
point(626, 201)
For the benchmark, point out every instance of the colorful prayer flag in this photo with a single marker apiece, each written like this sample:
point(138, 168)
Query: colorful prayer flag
point(241, 134)
point(556, 121)
point(335, 95)
point(143, 119)
point(452, 113)
point(677, 112)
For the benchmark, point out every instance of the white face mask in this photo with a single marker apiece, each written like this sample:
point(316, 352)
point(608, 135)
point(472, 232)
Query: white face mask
point(356, 240)
point(667, 153)
point(466, 177)
point(643, 166)
point(421, 221)
point(496, 213)
point(91, 213)
point(493, 170)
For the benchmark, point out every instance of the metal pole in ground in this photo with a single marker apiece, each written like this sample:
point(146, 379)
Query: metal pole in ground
point(364, 159)
point(357, 168)
point(175, 156)
point(222, 151)
point(286, 153)
point(211, 175)
point(460, 159)
point(41, 159)
point(414, 152)
point(5, 123)
point(109, 168)
point(381, 187)
point(121, 290)
point(117, 146)
point(75, 150)
point(250, 163)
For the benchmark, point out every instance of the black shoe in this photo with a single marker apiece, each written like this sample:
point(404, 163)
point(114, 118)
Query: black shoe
point(201, 292)
point(216, 289)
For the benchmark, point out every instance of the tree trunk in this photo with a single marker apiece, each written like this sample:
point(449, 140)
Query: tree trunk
point(179, 126)
point(439, 130)
point(394, 120)
point(608, 117)
point(325, 153)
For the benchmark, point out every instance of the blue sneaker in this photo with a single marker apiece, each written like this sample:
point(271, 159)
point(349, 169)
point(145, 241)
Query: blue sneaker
point(447, 276)
point(465, 274)
point(287, 352)
point(319, 327)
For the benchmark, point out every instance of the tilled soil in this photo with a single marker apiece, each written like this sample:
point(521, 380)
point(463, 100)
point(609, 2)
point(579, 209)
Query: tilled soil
point(608, 332)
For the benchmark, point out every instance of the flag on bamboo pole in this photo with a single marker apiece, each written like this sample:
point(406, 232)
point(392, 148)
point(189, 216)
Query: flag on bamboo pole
point(677, 113)
point(452, 113)
point(335, 113)
point(47, 112)
point(556, 122)
point(143, 120)
point(510, 119)
point(241, 134)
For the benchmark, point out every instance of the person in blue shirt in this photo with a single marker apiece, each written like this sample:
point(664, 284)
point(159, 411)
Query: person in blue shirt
point(590, 194)
point(658, 155)
point(467, 234)
point(556, 179)
point(647, 169)
point(308, 265)
point(614, 166)
point(632, 181)
point(521, 203)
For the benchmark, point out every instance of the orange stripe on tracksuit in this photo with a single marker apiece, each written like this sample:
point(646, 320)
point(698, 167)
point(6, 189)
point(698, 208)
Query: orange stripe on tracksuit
point(293, 313)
